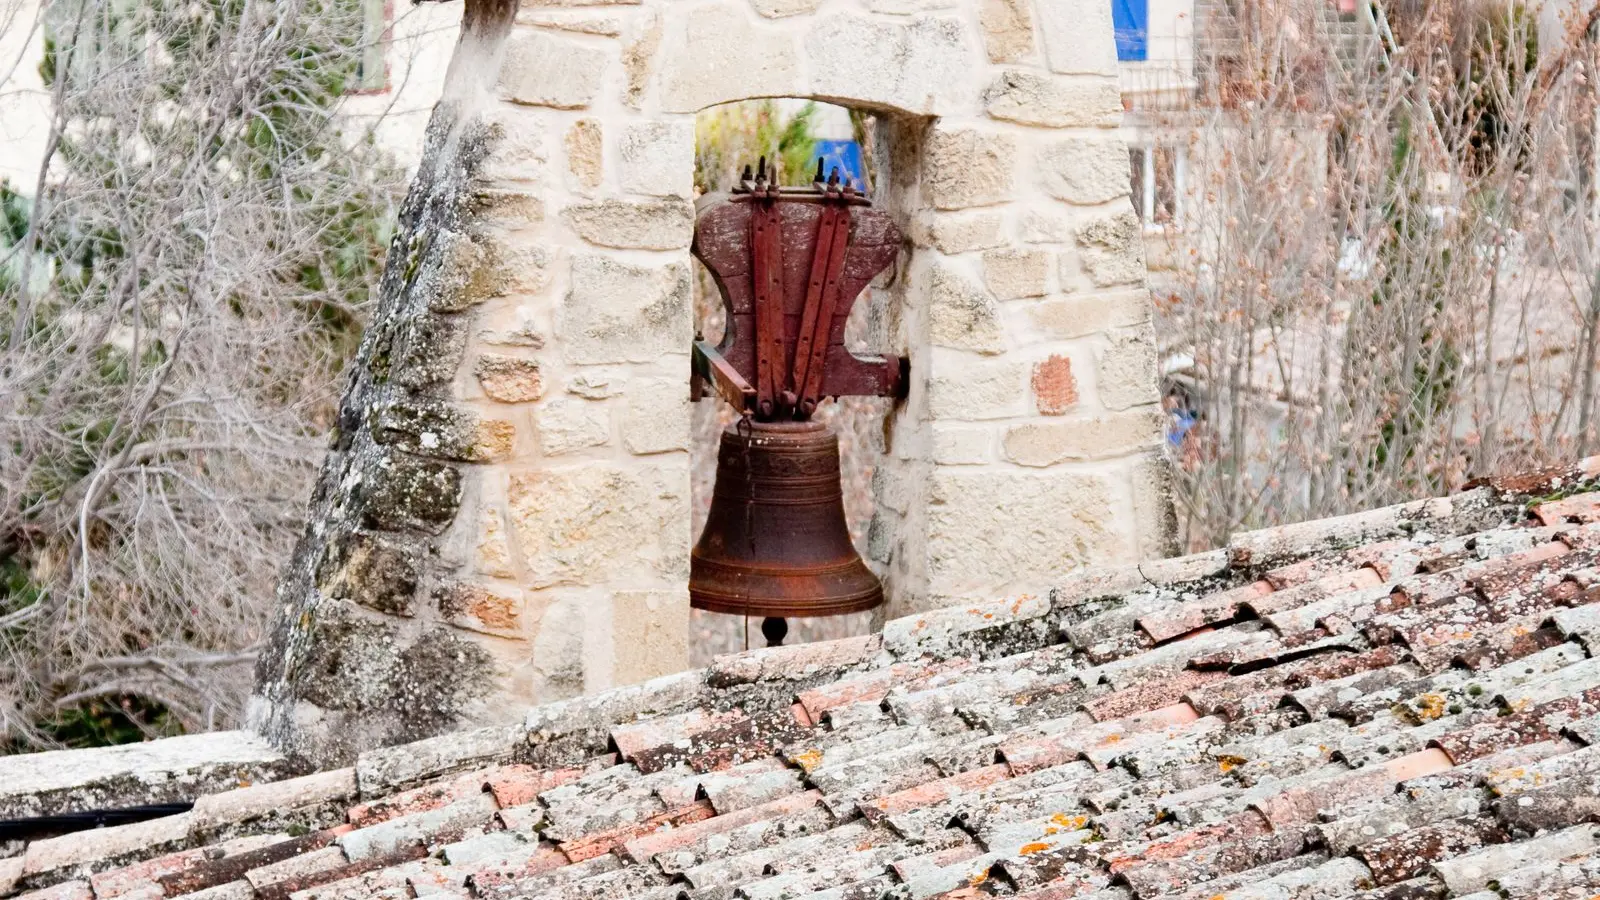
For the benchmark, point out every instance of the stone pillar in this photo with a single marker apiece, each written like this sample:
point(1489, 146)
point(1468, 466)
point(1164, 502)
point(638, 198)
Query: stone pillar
point(1029, 446)
point(504, 517)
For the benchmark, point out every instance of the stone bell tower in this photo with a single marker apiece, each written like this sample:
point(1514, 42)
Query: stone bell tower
point(503, 517)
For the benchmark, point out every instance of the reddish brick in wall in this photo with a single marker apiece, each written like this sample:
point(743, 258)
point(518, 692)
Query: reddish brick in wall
point(1054, 389)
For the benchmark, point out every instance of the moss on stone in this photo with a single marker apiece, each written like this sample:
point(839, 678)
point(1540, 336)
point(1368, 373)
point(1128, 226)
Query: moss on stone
point(439, 429)
point(409, 493)
point(375, 571)
point(430, 350)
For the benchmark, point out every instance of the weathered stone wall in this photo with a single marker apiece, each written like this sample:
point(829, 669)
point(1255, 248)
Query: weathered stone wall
point(1029, 446)
point(505, 519)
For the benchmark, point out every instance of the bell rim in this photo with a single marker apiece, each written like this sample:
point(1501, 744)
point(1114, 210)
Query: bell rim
point(849, 566)
point(800, 609)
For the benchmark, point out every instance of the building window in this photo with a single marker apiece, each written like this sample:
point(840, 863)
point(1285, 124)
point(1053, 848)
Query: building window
point(1130, 22)
point(1156, 177)
point(373, 69)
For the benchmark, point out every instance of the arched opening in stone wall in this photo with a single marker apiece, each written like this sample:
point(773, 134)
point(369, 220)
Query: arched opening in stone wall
point(795, 133)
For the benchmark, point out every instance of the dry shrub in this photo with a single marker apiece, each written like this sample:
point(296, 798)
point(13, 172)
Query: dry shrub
point(1388, 282)
point(177, 302)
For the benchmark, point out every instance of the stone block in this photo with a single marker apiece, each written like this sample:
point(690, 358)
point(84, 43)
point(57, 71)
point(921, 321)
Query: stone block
point(1054, 101)
point(961, 314)
point(356, 655)
point(1079, 315)
point(567, 424)
point(1084, 171)
point(440, 429)
point(962, 445)
point(650, 633)
point(778, 9)
point(909, 7)
point(1113, 249)
point(518, 152)
point(1055, 390)
point(456, 276)
point(544, 4)
point(1013, 274)
point(658, 158)
point(966, 167)
point(1127, 371)
point(648, 225)
point(891, 489)
point(376, 571)
point(585, 145)
point(404, 493)
point(1040, 226)
point(558, 658)
point(1102, 437)
point(580, 23)
point(509, 379)
point(430, 351)
point(1078, 37)
point(656, 417)
point(512, 326)
point(910, 67)
point(481, 608)
point(638, 57)
point(881, 536)
point(992, 531)
point(548, 70)
point(1154, 512)
point(582, 524)
point(980, 390)
point(616, 312)
point(515, 264)
point(1007, 29)
point(718, 55)
point(494, 550)
point(509, 209)
point(597, 384)
point(954, 233)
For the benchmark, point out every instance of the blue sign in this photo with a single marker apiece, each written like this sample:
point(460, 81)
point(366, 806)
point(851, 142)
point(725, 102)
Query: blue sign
point(846, 157)
point(1130, 22)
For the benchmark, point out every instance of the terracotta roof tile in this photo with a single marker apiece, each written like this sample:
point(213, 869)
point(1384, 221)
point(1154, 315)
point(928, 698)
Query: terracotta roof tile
point(1474, 871)
point(72, 851)
point(1581, 508)
point(1574, 878)
point(1398, 704)
point(1533, 724)
point(1424, 888)
point(305, 866)
point(273, 798)
point(1407, 855)
point(222, 867)
point(66, 890)
point(446, 824)
point(601, 843)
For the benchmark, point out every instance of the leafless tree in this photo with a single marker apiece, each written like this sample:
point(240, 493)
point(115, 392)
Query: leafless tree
point(1387, 282)
point(181, 286)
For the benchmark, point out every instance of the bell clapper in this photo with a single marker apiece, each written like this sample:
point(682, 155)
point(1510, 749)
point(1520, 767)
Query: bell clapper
point(774, 629)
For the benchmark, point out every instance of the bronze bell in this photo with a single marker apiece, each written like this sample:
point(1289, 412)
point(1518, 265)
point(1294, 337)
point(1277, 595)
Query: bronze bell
point(776, 543)
point(789, 263)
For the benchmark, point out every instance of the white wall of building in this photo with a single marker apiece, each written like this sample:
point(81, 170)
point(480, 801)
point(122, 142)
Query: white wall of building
point(24, 102)
point(420, 41)
point(1169, 56)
